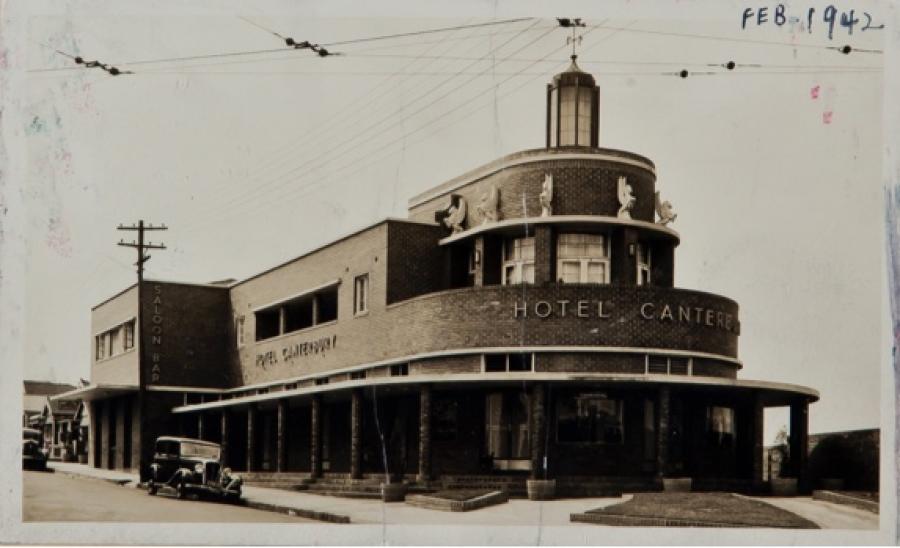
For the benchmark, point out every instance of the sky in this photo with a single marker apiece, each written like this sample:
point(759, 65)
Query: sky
point(774, 168)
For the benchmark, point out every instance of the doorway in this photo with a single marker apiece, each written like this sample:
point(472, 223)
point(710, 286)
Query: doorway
point(507, 431)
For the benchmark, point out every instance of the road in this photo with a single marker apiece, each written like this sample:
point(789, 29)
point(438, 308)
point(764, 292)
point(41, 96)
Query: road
point(57, 497)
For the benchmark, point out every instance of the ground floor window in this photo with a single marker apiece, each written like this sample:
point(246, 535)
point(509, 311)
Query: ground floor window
point(590, 418)
point(506, 425)
point(720, 425)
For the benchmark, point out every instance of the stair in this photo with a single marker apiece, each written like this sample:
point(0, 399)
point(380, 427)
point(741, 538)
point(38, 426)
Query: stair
point(274, 480)
point(593, 486)
point(337, 486)
point(513, 485)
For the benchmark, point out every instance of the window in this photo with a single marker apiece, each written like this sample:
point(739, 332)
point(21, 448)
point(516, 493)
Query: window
point(291, 386)
point(590, 418)
point(321, 381)
point(518, 261)
point(357, 375)
point(113, 335)
point(720, 425)
point(444, 419)
point(296, 314)
point(582, 258)
point(129, 335)
point(400, 370)
point(361, 294)
point(239, 330)
point(669, 365)
point(100, 345)
point(642, 255)
point(502, 363)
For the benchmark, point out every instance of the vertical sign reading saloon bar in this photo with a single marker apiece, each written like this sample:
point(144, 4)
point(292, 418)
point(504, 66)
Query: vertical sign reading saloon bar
point(156, 334)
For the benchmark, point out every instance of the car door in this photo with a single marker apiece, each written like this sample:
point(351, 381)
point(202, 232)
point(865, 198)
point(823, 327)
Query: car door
point(167, 458)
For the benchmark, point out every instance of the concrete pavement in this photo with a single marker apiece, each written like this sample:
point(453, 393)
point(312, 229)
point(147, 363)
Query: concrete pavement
point(826, 515)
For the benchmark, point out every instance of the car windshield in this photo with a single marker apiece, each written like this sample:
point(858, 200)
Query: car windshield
point(204, 451)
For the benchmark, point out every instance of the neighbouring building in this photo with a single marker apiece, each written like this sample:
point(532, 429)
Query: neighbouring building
point(522, 322)
point(34, 398)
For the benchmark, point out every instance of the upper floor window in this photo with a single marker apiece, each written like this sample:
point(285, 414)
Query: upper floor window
point(642, 256)
point(502, 363)
point(668, 365)
point(361, 294)
point(299, 313)
point(518, 261)
point(129, 335)
point(114, 341)
point(582, 258)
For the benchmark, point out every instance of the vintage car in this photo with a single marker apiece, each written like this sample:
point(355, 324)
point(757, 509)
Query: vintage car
point(191, 466)
point(34, 457)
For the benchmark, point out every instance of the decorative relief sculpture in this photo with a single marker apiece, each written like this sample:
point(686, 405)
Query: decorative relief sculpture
point(454, 217)
point(626, 199)
point(546, 196)
point(665, 211)
point(489, 208)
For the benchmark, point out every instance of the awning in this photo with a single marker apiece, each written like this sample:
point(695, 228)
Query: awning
point(96, 392)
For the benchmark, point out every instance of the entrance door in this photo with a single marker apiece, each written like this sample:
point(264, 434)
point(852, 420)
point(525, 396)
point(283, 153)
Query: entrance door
point(506, 430)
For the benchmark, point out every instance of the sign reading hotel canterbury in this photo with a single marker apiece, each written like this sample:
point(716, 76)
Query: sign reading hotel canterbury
point(650, 311)
point(297, 350)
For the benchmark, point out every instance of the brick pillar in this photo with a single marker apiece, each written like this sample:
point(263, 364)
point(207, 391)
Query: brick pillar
point(119, 456)
point(799, 441)
point(424, 433)
point(758, 418)
point(315, 438)
point(544, 254)
point(251, 433)
point(224, 440)
point(105, 434)
point(93, 437)
point(199, 426)
point(478, 246)
point(279, 436)
point(662, 431)
point(355, 434)
point(539, 464)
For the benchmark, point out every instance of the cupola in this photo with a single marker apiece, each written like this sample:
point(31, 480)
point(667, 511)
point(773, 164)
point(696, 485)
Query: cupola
point(573, 99)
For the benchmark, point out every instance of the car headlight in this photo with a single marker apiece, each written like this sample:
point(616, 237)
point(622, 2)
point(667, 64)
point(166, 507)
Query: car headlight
point(226, 472)
point(198, 468)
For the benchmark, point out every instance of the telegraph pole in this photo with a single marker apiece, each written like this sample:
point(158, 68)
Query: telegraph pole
point(141, 246)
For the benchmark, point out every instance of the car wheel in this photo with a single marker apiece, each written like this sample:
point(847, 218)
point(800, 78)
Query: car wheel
point(180, 492)
point(151, 487)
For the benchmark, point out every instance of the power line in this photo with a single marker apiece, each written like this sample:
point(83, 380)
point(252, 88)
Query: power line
point(282, 49)
point(363, 132)
point(402, 138)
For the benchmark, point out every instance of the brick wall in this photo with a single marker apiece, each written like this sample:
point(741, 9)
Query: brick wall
point(415, 261)
point(580, 187)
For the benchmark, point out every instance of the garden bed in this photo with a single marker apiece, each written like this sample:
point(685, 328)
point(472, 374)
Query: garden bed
point(458, 500)
point(693, 510)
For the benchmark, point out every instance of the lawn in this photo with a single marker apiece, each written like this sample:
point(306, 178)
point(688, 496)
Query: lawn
point(713, 508)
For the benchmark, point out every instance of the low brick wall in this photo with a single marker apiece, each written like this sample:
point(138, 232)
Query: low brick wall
point(446, 505)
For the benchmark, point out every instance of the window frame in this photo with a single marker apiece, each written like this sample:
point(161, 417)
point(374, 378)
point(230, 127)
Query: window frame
point(361, 297)
point(506, 356)
point(517, 264)
point(279, 307)
point(643, 266)
point(620, 403)
point(239, 331)
point(668, 358)
point(584, 262)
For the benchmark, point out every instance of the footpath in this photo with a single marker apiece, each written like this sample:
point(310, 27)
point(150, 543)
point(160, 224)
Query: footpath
point(368, 511)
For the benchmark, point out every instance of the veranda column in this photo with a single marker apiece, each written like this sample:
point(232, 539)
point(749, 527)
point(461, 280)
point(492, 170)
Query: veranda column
point(799, 441)
point(355, 434)
point(199, 426)
point(251, 433)
point(539, 468)
point(224, 440)
point(424, 433)
point(280, 436)
point(758, 448)
point(315, 438)
point(662, 431)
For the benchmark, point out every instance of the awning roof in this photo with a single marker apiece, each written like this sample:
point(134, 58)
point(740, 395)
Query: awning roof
point(96, 392)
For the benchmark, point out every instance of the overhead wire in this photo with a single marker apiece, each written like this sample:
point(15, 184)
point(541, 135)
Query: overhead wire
point(334, 172)
point(363, 133)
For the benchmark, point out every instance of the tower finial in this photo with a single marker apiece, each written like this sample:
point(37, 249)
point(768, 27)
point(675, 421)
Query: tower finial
point(575, 39)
